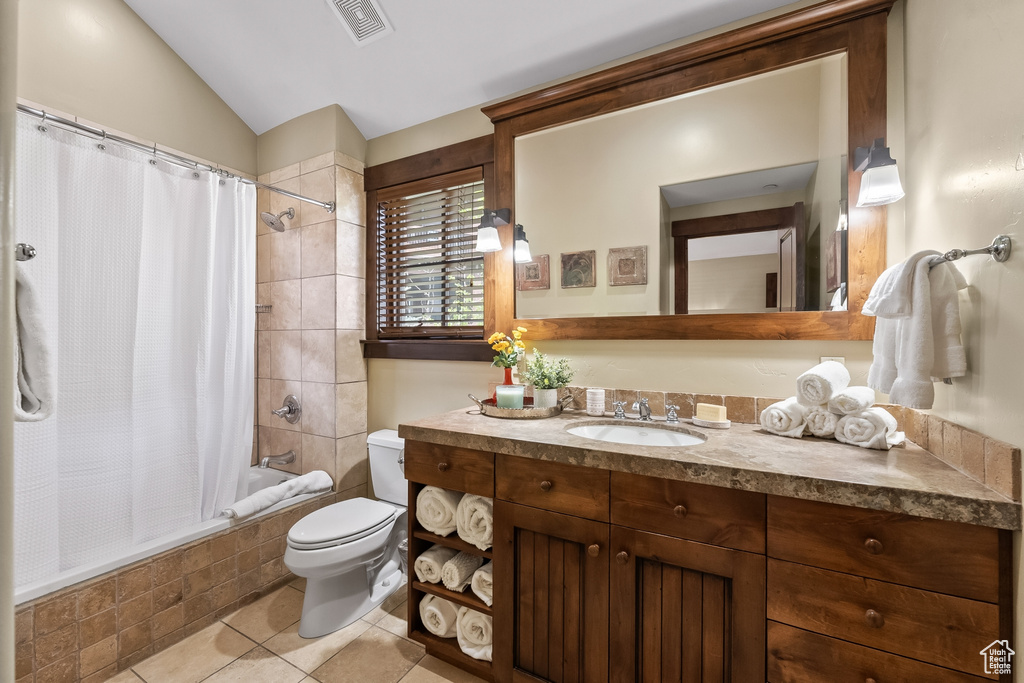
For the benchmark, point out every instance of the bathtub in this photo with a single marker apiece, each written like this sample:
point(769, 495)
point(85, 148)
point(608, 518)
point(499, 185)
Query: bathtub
point(258, 479)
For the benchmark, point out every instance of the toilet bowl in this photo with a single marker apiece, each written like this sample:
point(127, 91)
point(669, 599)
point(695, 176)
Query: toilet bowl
point(350, 552)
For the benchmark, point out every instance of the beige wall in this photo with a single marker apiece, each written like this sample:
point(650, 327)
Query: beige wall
point(730, 285)
point(964, 186)
point(325, 130)
point(96, 59)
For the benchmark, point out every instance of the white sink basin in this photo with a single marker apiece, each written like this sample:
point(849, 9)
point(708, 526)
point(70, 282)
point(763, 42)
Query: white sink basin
point(636, 435)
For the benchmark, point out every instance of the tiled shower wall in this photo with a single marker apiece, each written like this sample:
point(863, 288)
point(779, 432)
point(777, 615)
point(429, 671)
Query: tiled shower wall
point(312, 275)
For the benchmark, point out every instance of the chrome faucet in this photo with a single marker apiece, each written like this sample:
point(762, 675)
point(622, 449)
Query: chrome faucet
point(644, 410)
point(620, 414)
point(282, 459)
point(671, 417)
point(291, 411)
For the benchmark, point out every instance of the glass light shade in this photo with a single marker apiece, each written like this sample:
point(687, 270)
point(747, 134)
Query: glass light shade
point(487, 240)
point(880, 185)
point(522, 251)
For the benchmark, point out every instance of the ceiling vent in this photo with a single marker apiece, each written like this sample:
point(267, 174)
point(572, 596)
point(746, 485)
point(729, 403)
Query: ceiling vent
point(363, 19)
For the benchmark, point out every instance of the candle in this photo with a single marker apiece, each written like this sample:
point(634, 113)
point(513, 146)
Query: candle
point(510, 395)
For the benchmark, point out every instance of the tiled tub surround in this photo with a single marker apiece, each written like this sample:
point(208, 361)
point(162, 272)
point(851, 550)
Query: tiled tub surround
point(91, 630)
point(312, 275)
point(908, 479)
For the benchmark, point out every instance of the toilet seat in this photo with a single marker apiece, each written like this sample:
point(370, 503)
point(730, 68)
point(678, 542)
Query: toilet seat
point(340, 523)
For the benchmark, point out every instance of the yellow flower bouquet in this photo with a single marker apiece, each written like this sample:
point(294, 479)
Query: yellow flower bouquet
point(509, 349)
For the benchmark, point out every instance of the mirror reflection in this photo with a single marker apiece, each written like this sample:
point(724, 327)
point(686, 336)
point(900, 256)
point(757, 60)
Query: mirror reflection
point(727, 200)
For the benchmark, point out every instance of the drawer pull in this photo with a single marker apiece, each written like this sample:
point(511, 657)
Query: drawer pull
point(622, 557)
point(679, 511)
point(874, 546)
point(442, 467)
point(593, 550)
point(545, 485)
point(874, 619)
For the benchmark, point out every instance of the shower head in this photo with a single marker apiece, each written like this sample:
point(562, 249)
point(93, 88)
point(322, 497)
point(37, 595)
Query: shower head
point(274, 222)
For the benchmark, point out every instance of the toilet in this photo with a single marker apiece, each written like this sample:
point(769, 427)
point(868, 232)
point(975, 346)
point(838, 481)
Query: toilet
point(350, 552)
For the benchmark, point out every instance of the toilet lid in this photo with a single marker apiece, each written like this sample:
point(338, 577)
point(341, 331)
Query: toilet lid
point(342, 522)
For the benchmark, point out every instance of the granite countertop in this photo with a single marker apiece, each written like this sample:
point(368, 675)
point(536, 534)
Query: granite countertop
point(905, 479)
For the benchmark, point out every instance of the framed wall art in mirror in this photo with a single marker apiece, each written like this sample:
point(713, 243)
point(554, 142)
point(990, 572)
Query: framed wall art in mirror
point(819, 69)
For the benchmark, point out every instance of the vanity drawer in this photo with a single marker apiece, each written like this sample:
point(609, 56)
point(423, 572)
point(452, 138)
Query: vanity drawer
point(696, 512)
point(450, 467)
point(579, 491)
point(931, 627)
point(798, 656)
point(948, 557)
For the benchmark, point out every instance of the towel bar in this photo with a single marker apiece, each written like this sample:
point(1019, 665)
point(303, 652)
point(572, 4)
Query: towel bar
point(999, 250)
point(24, 252)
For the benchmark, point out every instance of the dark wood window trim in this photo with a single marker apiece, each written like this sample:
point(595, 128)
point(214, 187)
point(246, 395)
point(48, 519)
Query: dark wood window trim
point(475, 153)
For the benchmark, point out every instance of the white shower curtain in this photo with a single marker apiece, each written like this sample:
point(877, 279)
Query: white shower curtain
point(146, 274)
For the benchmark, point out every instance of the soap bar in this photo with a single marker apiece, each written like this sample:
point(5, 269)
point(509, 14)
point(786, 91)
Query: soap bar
point(711, 413)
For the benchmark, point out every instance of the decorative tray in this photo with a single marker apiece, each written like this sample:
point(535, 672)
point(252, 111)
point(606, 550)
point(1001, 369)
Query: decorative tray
point(527, 412)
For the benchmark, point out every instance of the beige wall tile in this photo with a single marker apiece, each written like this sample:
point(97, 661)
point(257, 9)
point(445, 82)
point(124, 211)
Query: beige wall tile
point(23, 619)
point(56, 613)
point(951, 446)
point(92, 630)
point(280, 202)
point(133, 611)
point(655, 401)
point(316, 163)
point(271, 395)
point(131, 583)
point(351, 163)
point(935, 441)
point(318, 355)
point(1002, 468)
point(352, 463)
point(348, 353)
point(286, 299)
point(24, 658)
point(97, 597)
point(278, 441)
point(318, 303)
point(741, 409)
point(318, 246)
point(262, 204)
point(279, 256)
point(166, 568)
point(318, 185)
point(318, 409)
point(282, 174)
point(169, 594)
point(95, 657)
point(917, 427)
point(351, 311)
point(350, 248)
point(285, 355)
point(318, 454)
point(351, 197)
point(263, 355)
point(351, 405)
point(64, 670)
point(56, 645)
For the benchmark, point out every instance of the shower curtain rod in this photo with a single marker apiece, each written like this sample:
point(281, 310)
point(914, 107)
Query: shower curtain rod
point(185, 162)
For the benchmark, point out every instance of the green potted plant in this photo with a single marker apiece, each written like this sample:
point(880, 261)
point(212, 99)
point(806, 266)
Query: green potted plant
point(547, 377)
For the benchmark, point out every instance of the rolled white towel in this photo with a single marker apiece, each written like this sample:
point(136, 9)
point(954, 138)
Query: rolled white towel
point(482, 583)
point(852, 400)
point(314, 482)
point(474, 633)
point(872, 428)
point(821, 422)
point(35, 364)
point(435, 509)
point(475, 520)
point(785, 418)
point(818, 385)
point(428, 565)
point(439, 616)
point(458, 571)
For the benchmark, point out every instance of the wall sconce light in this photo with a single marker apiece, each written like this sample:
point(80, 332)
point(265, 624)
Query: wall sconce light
point(487, 231)
point(880, 183)
point(522, 246)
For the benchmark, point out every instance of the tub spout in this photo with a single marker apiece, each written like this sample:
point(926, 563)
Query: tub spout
point(282, 459)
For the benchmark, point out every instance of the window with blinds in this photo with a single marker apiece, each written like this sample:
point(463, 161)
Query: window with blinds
point(430, 282)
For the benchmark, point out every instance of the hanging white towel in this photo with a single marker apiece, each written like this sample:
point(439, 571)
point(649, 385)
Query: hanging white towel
point(483, 584)
point(33, 363)
point(474, 633)
point(852, 400)
point(435, 509)
point(785, 418)
point(314, 482)
point(873, 428)
point(458, 571)
point(818, 385)
point(475, 520)
point(429, 563)
point(821, 422)
point(439, 616)
point(917, 331)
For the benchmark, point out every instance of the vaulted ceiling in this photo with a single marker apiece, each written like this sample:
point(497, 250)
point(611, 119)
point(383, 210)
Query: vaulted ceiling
point(273, 60)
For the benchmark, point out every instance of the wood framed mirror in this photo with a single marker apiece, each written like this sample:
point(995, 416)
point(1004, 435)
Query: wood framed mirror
point(855, 29)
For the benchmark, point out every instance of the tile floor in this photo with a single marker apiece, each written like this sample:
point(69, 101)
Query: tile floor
point(260, 644)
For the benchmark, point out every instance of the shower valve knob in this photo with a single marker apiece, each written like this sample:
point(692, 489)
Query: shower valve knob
point(291, 410)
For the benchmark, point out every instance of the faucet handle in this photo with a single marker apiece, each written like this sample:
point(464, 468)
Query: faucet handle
point(620, 414)
point(291, 410)
point(671, 415)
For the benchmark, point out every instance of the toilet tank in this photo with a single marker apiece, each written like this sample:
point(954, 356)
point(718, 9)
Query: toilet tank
point(387, 466)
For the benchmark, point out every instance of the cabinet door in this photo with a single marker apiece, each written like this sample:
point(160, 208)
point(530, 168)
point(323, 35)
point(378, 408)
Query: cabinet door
point(684, 611)
point(550, 596)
